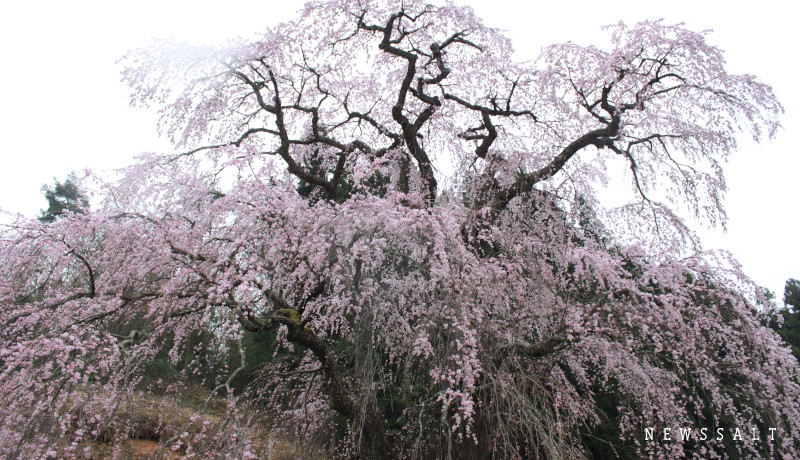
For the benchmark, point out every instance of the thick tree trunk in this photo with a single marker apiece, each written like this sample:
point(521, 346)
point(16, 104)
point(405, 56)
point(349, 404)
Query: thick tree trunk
point(372, 444)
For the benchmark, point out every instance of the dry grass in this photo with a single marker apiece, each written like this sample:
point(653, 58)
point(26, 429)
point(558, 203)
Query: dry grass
point(150, 420)
point(145, 449)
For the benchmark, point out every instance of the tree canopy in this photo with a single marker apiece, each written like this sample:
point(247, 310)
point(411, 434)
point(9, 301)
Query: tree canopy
point(63, 196)
point(791, 294)
point(787, 320)
point(408, 217)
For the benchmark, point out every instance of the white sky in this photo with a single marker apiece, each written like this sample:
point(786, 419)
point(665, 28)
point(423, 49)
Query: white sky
point(64, 108)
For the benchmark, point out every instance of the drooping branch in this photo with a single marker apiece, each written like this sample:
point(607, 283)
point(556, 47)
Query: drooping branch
point(606, 136)
point(340, 398)
point(600, 138)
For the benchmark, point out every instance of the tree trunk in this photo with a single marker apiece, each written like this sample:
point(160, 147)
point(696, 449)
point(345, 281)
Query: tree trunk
point(372, 444)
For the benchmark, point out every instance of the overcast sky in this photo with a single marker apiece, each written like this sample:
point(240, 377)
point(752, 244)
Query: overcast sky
point(63, 107)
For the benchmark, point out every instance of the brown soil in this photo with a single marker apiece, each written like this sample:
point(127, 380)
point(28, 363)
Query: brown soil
point(134, 449)
point(142, 448)
point(145, 449)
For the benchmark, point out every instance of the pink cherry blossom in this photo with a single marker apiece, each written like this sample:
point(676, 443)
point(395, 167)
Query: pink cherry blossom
point(410, 216)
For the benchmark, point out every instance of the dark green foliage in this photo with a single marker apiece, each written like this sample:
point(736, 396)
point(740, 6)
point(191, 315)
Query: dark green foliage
point(61, 197)
point(603, 440)
point(790, 329)
point(791, 295)
point(159, 369)
point(259, 350)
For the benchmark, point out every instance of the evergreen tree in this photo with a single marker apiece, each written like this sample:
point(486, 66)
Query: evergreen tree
point(63, 196)
point(790, 329)
point(791, 295)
